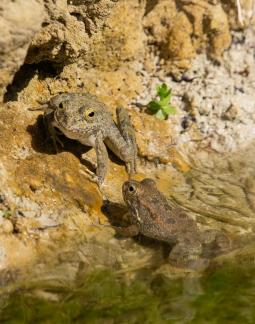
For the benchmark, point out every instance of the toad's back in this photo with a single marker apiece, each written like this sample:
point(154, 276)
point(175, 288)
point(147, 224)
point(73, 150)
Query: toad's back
point(156, 216)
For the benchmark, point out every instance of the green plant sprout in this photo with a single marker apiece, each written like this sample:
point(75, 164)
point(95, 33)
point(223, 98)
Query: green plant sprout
point(162, 108)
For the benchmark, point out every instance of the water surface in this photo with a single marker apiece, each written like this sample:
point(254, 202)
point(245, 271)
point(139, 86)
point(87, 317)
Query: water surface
point(226, 295)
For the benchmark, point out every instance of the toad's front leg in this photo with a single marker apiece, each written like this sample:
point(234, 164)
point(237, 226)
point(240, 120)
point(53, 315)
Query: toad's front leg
point(102, 159)
point(127, 231)
point(52, 132)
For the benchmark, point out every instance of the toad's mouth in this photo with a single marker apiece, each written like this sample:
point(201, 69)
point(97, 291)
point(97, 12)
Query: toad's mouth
point(138, 218)
point(135, 214)
point(61, 124)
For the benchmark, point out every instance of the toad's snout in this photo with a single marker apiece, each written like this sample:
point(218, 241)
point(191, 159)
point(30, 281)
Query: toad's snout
point(62, 119)
point(125, 188)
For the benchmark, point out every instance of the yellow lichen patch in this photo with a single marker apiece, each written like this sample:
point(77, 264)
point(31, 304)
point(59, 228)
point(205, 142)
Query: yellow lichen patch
point(140, 176)
point(13, 124)
point(57, 176)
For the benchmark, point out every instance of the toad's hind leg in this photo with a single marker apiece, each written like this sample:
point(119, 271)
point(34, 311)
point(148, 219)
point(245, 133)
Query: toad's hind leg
point(128, 133)
point(187, 254)
point(102, 159)
point(215, 242)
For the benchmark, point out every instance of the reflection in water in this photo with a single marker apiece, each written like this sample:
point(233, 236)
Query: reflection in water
point(226, 295)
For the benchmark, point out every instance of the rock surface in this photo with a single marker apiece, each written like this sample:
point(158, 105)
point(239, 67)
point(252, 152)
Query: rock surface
point(19, 21)
point(119, 51)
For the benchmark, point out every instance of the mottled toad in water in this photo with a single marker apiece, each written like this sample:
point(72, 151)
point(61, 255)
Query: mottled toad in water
point(83, 118)
point(154, 216)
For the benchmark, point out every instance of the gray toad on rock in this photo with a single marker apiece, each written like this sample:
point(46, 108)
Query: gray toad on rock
point(154, 216)
point(83, 118)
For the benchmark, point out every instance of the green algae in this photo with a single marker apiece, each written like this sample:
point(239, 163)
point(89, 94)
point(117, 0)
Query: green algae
point(226, 295)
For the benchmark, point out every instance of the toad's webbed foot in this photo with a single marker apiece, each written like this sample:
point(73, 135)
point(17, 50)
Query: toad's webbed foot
point(90, 158)
point(94, 178)
point(128, 133)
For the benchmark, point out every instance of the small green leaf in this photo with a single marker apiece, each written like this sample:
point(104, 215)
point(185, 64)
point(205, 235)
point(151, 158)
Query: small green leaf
point(154, 106)
point(162, 108)
point(161, 115)
point(164, 101)
point(163, 91)
point(169, 110)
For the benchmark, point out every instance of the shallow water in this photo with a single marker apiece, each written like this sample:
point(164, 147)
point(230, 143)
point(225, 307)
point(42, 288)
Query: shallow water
point(226, 295)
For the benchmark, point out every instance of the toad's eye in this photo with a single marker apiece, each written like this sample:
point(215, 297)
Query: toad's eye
point(89, 114)
point(61, 105)
point(131, 189)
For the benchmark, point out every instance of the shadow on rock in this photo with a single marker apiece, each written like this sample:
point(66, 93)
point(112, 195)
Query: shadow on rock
point(44, 69)
point(116, 213)
point(42, 143)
